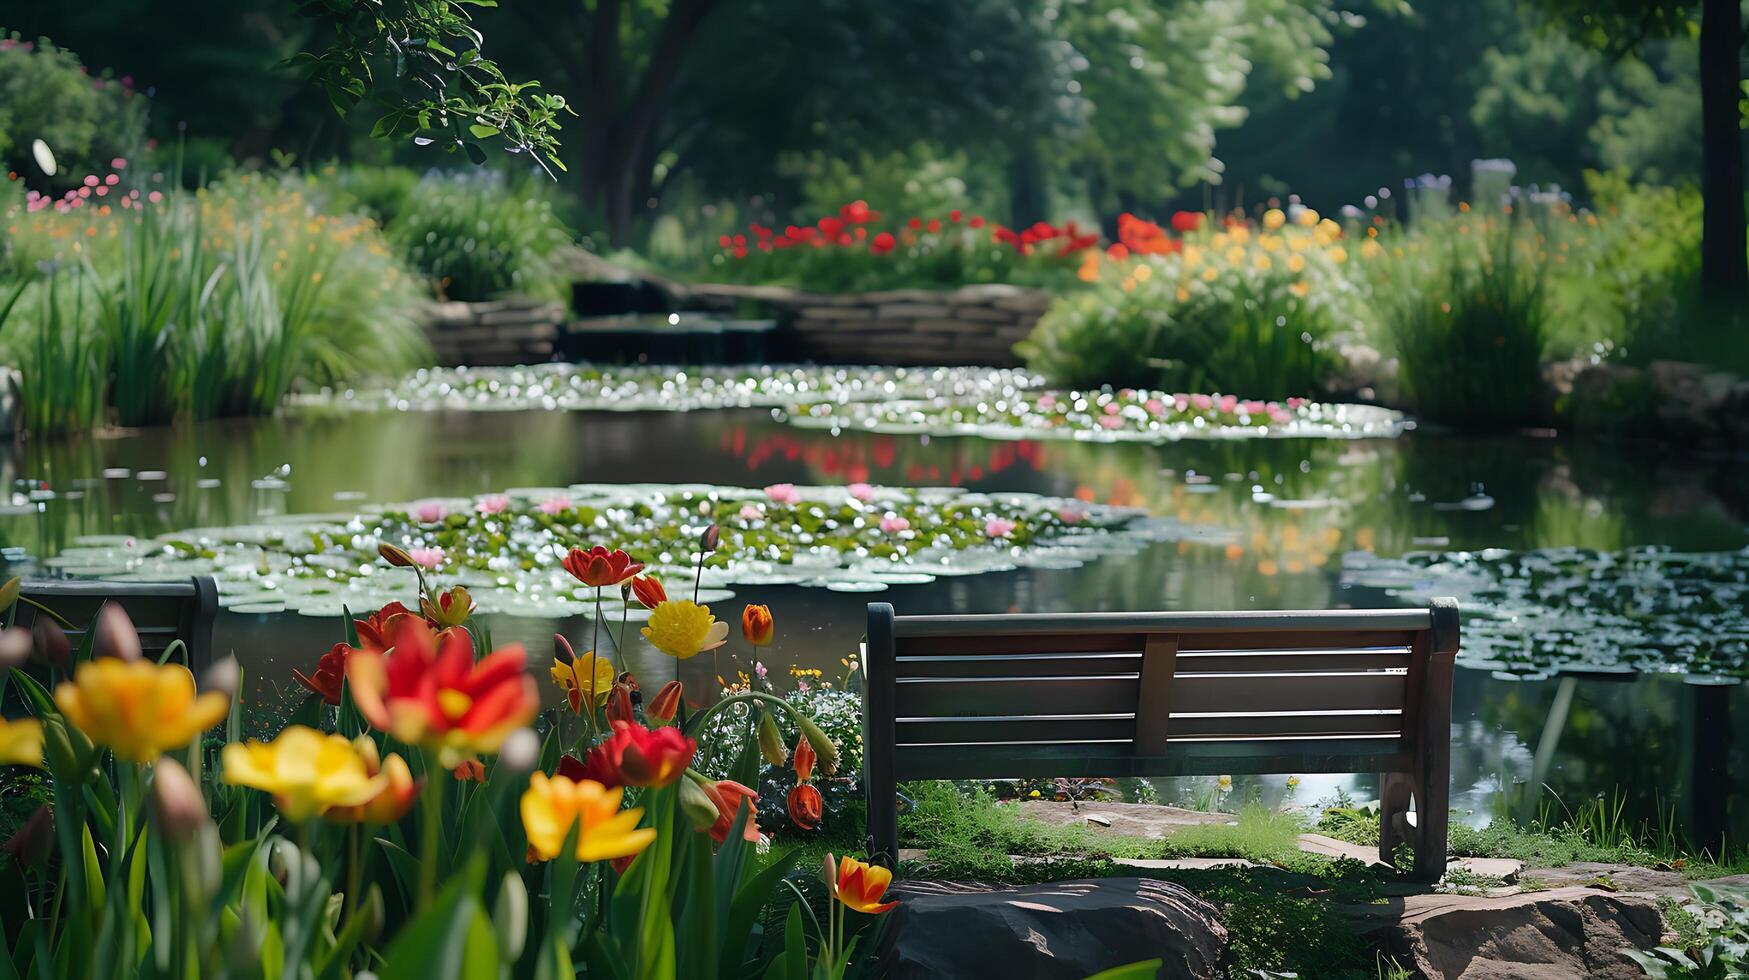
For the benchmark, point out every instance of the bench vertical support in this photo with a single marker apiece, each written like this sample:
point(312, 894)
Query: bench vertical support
point(1433, 802)
point(879, 735)
point(1154, 700)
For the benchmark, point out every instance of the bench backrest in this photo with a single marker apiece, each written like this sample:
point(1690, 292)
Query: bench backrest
point(161, 611)
point(1155, 694)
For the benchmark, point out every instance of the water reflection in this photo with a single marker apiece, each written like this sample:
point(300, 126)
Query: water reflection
point(1278, 517)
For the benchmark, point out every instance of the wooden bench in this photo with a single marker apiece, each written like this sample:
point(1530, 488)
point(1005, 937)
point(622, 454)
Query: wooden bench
point(161, 611)
point(1167, 694)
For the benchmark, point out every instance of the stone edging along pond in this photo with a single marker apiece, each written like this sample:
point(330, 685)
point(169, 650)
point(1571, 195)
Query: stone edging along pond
point(506, 548)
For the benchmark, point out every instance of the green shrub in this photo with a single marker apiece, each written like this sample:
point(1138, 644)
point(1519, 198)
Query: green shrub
point(87, 121)
point(381, 193)
point(475, 236)
point(1465, 309)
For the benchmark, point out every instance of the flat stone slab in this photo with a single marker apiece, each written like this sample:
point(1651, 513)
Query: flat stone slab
point(1622, 878)
point(1339, 849)
point(1147, 820)
point(1184, 864)
point(1550, 935)
point(1506, 869)
point(1064, 930)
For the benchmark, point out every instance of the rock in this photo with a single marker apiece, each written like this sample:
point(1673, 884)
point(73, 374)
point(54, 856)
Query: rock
point(1551, 935)
point(1614, 398)
point(1690, 394)
point(1066, 929)
point(1506, 869)
point(1122, 819)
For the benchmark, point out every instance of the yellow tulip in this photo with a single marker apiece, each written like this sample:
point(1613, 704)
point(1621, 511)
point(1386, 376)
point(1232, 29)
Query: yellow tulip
point(21, 742)
point(306, 771)
point(1296, 263)
point(1308, 218)
point(138, 708)
point(574, 679)
point(1274, 218)
point(552, 805)
point(682, 628)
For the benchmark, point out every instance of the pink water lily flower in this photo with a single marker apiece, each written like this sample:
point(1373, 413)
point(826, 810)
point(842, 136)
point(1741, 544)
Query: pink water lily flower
point(1071, 515)
point(556, 505)
point(1229, 402)
point(426, 557)
point(861, 491)
point(893, 524)
point(1202, 402)
point(430, 512)
point(783, 493)
point(1047, 402)
point(1110, 422)
point(495, 504)
point(1155, 407)
point(751, 512)
point(998, 527)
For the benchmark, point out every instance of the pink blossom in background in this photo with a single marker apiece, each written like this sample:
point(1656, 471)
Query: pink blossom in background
point(155, 196)
point(1279, 415)
point(998, 527)
point(751, 512)
point(1295, 402)
point(495, 504)
point(1155, 407)
point(112, 180)
point(759, 670)
point(119, 163)
point(555, 505)
point(783, 493)
point(1046, 402)
point(90, 180)
point(1071, 515)
point(1252, 407)
point(1229, 402)
point(893, 524)
point(1181, 402)
point(426, 557)
point(1202, 402)
point(861, 491)
point(1112, 408)
point(1110, 422)
point(430, 512)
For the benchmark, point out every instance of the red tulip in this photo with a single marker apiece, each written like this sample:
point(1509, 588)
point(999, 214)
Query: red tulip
point(727, 795)
point(804, 759)
point(649, 591)
point(330, 673)
point(665, 705)
point(882, 244)
point(374, 631)
point(619, 706)
point(600, 568)
point(636, 756)
point(1186, 220)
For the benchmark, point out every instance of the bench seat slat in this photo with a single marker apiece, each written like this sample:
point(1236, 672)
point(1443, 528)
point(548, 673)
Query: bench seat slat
point(1211, 641)
point(1031, 664)
point(1183, 758)
point(1287, 724)
point(1016, 729)
point(1287, 692)
point(1019, 695)
point(1274, 661)
point(1299, 622)
point(1006, 644)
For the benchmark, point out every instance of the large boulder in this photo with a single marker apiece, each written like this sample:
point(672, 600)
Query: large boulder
point(1551, 935)
point(1066, 929)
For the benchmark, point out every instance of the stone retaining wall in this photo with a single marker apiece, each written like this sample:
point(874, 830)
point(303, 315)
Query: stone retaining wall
point(970, 325)
point(497, 332)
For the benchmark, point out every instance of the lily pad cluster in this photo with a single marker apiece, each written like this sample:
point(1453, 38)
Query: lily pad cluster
point(646, 387)
point(507, 548)
point(1128, 415)
point(1531, 614)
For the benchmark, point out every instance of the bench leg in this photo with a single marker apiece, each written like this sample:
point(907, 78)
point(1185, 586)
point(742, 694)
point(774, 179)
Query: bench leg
point(1395, 791)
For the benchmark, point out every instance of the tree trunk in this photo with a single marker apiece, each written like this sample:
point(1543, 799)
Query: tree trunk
point(1026, 184)
point(1724, 264)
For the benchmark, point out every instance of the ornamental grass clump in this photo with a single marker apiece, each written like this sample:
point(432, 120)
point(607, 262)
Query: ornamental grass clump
point(407, 821)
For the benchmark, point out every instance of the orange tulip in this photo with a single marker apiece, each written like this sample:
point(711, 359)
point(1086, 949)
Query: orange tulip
point(727, 795)
point(804, 759)
point(757, 625)
point(649, 591)
point(471, 771)
point(388, 806)
point(860, 886)
point(806, 807)
point(429, 691)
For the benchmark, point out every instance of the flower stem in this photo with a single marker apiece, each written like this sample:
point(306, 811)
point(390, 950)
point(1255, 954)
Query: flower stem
point(430, 828)
point(697, 722)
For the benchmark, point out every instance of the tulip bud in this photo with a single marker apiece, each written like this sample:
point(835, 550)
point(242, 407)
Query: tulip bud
point(649, 591)
point(665, 704)
point(374, 917)
point(821, 744)
point(510, 916)
point(700, 809)
point(51, 643)
point(619, 706)
point(451, 608)
point(224, 676)
point(709, 540)
point(9, 592)
point(520, 752)
point(177, 804)
point(366, 747)
point(562, 651)
point(804, 760)
point(771, 740)
point(116, 636)
point(395, 556)
point(830, 877)
point(15, 647)
point(756, 625)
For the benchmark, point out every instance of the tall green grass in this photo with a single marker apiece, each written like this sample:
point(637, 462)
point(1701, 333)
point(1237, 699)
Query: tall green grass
point(1467, 316)
point(205, 304)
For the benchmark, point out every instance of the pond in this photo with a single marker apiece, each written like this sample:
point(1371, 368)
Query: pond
point(1610, 669)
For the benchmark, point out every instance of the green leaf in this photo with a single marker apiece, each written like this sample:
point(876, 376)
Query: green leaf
point(749, 902)
point(475, 153)
point(404, 865)
point(1145, 970)
point(439, 943)
point(483, 131)
point(697, 939)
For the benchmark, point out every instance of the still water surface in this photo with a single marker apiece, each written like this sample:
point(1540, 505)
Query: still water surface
point(1289, 511)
